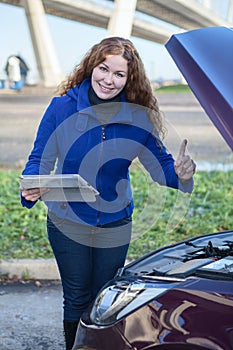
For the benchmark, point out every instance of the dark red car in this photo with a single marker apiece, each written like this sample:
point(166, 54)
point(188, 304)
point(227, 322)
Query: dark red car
point(179, 297)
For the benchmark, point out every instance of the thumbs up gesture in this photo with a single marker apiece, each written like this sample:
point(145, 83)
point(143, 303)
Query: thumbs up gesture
point(184, 165)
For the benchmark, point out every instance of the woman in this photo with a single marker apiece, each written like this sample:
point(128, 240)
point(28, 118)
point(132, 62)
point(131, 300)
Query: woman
point(105, 117)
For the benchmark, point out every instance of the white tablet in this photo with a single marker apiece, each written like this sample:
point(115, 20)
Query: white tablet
point(62, 187)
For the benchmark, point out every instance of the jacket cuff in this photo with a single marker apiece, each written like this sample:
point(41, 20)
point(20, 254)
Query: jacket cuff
point(186, 186)
point(26, 203)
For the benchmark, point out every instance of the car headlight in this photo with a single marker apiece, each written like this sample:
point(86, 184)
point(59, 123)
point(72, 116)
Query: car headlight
point(122, 298)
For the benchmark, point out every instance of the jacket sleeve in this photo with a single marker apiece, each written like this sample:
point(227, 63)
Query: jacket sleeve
point(44, 153)
point(160, 164)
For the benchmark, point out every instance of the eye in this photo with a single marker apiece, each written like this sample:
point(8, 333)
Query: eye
point(119, 75)
point(103, 68)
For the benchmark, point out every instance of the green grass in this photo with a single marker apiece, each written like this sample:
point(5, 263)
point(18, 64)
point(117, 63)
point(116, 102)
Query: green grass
point(162, 216)
point(169, 216)
point(23, 231)
point(178, 88)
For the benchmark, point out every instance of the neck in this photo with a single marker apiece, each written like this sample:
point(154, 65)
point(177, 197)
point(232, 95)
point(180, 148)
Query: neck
point(95, 100)
point(105, 109)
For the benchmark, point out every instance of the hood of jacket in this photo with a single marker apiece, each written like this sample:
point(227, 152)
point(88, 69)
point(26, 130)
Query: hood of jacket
point(80, 95)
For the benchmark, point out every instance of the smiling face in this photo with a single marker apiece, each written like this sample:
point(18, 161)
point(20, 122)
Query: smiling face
point(109, 77)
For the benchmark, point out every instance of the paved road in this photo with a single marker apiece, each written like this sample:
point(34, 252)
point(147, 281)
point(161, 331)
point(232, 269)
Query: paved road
point(19, 117)
point(31, 316)
point(20, 114)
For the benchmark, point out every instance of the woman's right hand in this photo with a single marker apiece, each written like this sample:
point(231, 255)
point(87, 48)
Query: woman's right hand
point(33, 194)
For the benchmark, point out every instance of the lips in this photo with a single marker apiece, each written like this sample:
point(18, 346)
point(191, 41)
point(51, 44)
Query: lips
point(105, 89)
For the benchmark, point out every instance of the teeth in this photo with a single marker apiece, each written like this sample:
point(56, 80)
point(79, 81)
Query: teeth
point(104, 88)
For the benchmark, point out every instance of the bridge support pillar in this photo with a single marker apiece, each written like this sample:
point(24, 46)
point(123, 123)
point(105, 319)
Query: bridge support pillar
point(230, 11)
point(47, 62)
point(121, 20)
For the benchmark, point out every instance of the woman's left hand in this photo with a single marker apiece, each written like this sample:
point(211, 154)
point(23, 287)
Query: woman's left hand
point(184, 165)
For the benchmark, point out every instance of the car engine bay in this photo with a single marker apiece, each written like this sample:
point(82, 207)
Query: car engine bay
point(209, 256)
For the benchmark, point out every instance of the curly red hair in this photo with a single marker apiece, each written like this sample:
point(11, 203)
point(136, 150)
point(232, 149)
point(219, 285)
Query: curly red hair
point(137, 89)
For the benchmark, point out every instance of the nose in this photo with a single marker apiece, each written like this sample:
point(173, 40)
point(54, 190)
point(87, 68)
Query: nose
point(108, 78)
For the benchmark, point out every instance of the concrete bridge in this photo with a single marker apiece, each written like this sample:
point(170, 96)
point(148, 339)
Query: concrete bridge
point(119, 17)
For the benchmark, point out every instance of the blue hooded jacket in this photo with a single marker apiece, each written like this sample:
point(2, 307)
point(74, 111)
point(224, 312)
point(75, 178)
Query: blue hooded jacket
point(72, 140)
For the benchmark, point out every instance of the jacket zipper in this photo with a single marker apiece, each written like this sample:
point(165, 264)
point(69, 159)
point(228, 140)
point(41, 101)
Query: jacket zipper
point(103, 132)
point(103, 138)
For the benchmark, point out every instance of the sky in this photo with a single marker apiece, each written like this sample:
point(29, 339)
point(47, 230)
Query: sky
point(73, 39)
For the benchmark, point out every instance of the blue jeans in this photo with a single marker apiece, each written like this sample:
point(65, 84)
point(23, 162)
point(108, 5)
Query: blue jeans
point(84, 269)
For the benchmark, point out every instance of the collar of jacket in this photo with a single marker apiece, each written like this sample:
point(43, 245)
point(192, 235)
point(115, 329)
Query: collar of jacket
point(85, 109)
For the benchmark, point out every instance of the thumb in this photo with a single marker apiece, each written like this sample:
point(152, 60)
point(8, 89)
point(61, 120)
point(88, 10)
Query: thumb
point(182, 150)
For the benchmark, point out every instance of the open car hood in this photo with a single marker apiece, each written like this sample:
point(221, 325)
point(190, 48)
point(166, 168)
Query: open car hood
point(205, 58)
